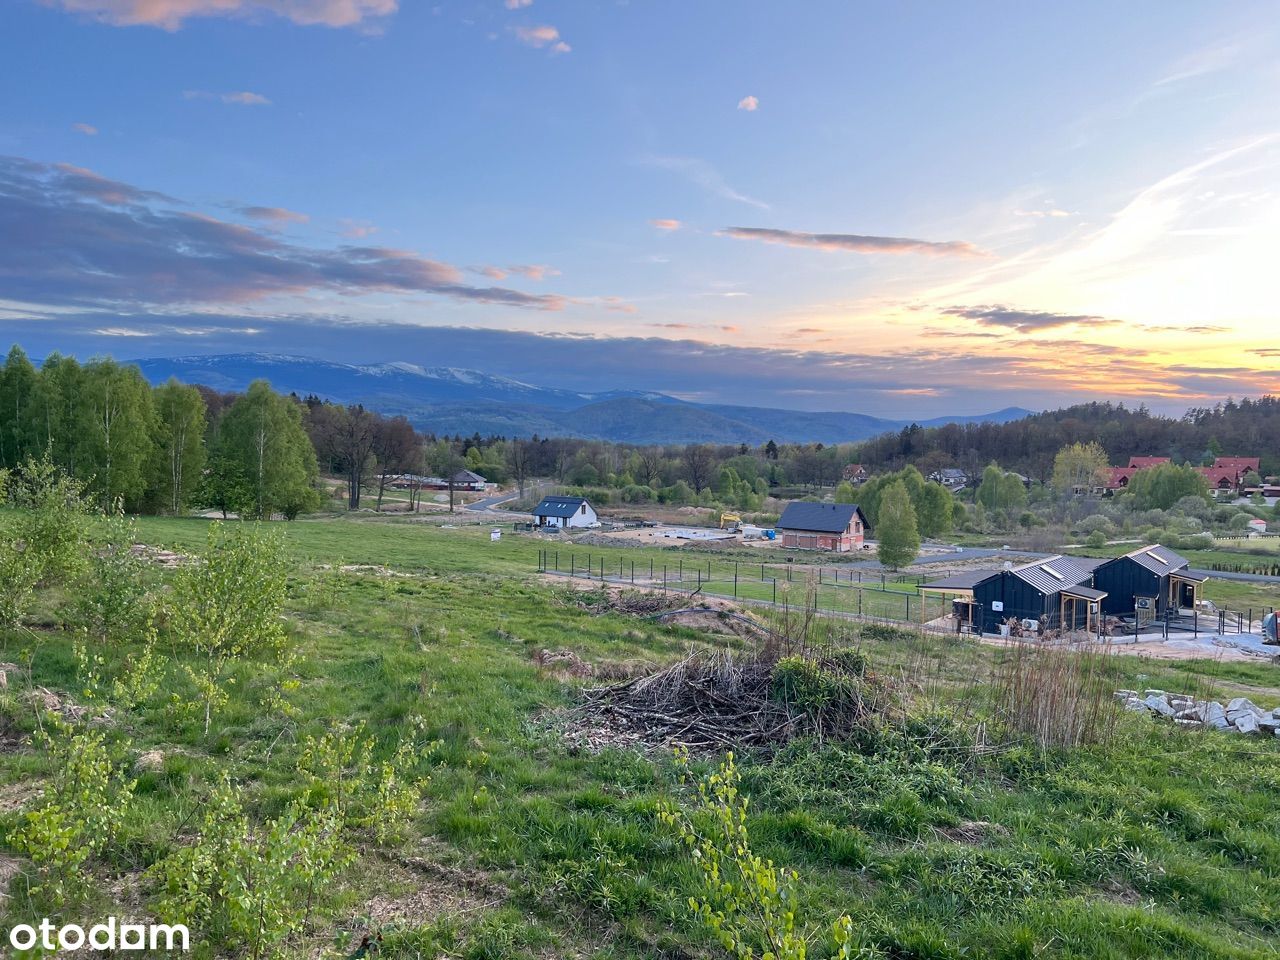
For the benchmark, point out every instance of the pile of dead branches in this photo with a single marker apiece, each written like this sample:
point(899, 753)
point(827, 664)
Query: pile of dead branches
point(716, 701)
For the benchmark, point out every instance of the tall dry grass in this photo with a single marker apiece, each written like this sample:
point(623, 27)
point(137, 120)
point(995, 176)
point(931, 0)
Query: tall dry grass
point(1055, 696)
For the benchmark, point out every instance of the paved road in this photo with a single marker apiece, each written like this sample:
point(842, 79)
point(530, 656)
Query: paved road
point(957, 556)
point(1229, 575)
point(488, 503)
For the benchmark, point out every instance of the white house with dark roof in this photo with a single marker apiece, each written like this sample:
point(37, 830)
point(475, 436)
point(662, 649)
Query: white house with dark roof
point(564, 513)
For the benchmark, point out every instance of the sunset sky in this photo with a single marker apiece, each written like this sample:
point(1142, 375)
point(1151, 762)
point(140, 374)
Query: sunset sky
point(906, 209)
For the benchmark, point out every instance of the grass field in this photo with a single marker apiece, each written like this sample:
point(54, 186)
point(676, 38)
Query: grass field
point(1156, 842)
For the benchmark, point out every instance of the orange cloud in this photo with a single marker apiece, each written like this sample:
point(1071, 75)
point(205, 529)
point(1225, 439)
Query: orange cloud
point(88, 129)
point(172, 14)
point(543, 36)
point(666, 224)
point(750, 104)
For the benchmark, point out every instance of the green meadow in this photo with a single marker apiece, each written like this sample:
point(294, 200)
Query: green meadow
point(941, 831)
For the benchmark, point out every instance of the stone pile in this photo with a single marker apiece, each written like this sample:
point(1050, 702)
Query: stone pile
point(1240, 715)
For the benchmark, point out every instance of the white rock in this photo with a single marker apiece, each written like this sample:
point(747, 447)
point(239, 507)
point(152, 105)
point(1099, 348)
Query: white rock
point(1160, 705)
point(1247, 723)
point(1241, 703)
point(1269, 724)
point(1136, 705)
point(1153, 693)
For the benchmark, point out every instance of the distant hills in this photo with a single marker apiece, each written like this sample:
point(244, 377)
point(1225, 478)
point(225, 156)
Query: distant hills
point(450, 400)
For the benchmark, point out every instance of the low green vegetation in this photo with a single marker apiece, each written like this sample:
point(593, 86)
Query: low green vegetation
point(335, 736)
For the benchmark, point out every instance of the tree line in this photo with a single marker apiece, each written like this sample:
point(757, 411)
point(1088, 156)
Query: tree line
point(1234, 428)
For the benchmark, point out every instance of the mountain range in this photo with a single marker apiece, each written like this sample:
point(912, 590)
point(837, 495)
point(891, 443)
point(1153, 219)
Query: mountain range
point(450, 400)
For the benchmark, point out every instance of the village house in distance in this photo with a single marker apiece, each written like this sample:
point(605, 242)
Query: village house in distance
point(822, 526)
point(564, 513)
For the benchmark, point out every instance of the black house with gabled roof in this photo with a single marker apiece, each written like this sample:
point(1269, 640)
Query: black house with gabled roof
point(1147, 582)
point(1058, 591)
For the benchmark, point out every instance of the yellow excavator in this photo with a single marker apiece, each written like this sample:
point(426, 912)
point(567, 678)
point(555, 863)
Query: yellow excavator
point(731, 522)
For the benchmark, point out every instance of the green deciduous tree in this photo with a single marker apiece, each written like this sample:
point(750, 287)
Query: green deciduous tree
point(180, 453)
point(935, 510)
point(897, 531)
point(1159, 488)
point(1078, 468)
point(262, 434)
point(118, 422)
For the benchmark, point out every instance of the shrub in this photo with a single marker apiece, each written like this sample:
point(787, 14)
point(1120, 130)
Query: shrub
point(1096, 540)
point(112, 596)
point(746, 903)
point(77, 816)
point(53, 521)
point(227, 605)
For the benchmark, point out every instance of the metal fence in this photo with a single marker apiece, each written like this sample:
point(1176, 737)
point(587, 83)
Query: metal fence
point(865, 596)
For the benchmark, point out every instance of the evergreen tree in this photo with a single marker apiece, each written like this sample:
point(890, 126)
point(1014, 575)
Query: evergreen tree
point(896, 531)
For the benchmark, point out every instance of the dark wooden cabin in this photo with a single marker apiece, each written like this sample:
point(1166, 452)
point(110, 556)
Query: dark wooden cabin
point(1058, 591)
point(1147, 583)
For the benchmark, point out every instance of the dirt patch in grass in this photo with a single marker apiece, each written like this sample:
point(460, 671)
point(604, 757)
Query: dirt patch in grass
point(9, 868)
point(974, 832)
point(433, 890)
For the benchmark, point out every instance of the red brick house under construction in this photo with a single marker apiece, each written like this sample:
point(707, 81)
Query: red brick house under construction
point(823, 526)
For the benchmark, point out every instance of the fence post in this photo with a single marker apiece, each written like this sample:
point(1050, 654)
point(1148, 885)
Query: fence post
point(633, 573)
point(664, 579)
point(735, 579)
point(572, 572)
point(775, 591)
point(682, 569)
point(762, 573)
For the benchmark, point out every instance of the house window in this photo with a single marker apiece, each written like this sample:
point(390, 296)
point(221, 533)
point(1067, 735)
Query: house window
point(584, 508)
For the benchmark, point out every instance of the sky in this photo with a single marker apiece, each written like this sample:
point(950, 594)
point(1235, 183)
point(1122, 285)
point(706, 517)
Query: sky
point(908, 210)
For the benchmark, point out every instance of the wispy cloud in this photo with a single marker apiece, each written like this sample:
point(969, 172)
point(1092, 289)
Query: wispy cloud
point(356, 229)
point(1046, 212)
point(703, 174)
point(172, 14)
point(665, 224)
point(542, 36)
point(1025, 321)
point(530, 271)
point(1211, 59)
point(92, 241)
point(274, 215)
point(749, 103)
point(854, 243)
point(88, 129)
point(243, 98)
point(518, 4)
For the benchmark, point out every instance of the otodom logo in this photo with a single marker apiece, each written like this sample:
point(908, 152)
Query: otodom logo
point(111, 935)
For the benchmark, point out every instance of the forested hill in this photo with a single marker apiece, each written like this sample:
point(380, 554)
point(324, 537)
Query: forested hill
point(1028, 445)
